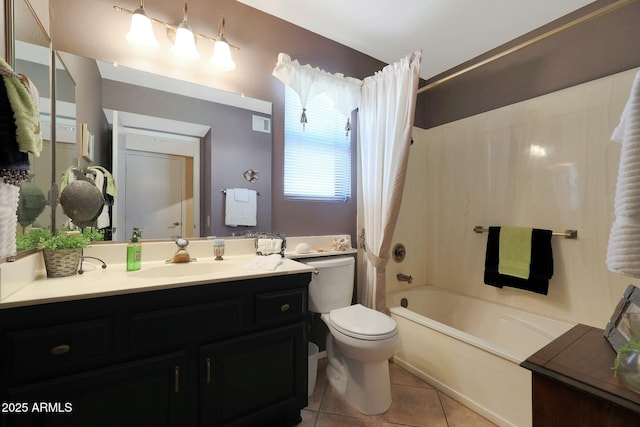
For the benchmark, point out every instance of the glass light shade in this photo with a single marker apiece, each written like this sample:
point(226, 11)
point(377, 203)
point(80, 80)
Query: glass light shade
point(222, 56)
point(141, 30)
point(185, 43)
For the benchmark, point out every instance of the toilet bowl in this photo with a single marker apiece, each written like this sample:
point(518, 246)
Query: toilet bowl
point(360, 340)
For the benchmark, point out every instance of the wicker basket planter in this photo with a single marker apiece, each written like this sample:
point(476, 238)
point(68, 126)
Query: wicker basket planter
point(62, 262)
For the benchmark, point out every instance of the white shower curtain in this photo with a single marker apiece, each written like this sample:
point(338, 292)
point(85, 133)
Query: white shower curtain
point(385, 121)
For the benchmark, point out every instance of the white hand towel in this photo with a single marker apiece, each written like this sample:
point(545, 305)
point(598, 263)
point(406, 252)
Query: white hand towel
point(9, 196)
point(241, 194)
point(623, 251)
point(103, 220)
point(269, 246)
point(240, 213)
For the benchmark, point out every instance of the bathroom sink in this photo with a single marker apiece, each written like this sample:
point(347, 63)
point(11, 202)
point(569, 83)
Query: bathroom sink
point(183, 269)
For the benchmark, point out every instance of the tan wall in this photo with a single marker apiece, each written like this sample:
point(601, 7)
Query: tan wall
point(480, 171)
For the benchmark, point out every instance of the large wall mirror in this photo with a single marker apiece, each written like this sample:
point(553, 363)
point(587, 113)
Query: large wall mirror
point(173, 147)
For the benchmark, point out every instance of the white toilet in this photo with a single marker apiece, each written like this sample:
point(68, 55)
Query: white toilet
point(361, 340)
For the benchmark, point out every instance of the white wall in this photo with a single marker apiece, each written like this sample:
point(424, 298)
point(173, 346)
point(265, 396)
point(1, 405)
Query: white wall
point(481, 171)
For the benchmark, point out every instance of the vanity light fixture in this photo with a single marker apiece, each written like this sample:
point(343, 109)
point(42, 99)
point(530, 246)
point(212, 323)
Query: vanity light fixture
point(184, 44)
point(181, 35)
point(221, 51)
point(141, 30)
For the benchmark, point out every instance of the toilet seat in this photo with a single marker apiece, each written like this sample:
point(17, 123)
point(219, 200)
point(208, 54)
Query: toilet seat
point(358, 321)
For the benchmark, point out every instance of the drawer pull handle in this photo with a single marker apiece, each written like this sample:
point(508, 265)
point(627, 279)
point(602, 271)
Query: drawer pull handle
point(176, 379)
point(208, 370)
point(284, 307)
point(60, 349)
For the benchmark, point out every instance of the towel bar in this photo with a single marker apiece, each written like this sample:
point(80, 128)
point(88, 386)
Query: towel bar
point(225, 192)
point(569, 234)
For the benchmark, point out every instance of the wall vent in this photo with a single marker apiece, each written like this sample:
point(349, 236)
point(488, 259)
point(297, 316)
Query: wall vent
point(262, 124)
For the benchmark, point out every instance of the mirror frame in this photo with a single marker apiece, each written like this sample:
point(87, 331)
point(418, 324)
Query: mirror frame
point(10, 57)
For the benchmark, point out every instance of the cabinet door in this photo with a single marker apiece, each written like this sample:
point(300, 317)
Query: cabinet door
point(142, 393)
point(256, 380)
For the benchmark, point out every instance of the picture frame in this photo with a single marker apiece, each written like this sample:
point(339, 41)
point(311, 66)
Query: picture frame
point(87, 142)
point(617, 329)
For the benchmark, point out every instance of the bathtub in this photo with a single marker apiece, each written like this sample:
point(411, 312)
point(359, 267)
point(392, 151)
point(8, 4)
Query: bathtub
point(471, 349)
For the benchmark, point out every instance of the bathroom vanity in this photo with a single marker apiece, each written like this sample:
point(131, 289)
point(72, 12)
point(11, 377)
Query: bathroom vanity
point(227, 352)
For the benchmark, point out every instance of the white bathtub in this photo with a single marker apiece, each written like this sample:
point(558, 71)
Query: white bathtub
point(471, 349)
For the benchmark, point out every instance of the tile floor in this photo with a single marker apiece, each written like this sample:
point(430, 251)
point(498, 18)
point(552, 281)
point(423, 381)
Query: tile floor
point(415, 404)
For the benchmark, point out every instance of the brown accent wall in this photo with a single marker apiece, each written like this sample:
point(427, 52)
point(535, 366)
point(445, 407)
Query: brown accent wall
point(597, 48)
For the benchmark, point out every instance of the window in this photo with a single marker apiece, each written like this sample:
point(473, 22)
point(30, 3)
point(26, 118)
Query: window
point(317, 159)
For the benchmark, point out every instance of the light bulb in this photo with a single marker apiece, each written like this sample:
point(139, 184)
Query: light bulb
point(141, 30)
point(185, 43)
point(222, 55)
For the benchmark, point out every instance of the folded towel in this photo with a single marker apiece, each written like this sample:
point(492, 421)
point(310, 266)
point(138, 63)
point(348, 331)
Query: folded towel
point(9, 196)
point(238, 212)
point(541, 268)
point(270, 262)
point(515, 251)
point(623, 250)
point(268, 246)
point(241, 195)
point(110, 181)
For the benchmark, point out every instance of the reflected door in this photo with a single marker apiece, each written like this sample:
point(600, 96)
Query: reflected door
point(160, 176)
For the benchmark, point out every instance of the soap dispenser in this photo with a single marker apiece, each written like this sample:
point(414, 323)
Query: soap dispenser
point(134, 251)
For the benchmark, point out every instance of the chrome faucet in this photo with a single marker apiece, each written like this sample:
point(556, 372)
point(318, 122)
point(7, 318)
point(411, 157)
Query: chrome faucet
point(404, 278)
point(181, 254)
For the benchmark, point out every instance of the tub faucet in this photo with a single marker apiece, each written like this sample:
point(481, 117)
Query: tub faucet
point(404, 278)
point(181, 254)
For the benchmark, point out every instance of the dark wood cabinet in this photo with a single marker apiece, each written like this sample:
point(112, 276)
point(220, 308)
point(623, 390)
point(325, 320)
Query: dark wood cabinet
point(252, 380)
point(574, 383)
point(142, 393)
point(224, 354)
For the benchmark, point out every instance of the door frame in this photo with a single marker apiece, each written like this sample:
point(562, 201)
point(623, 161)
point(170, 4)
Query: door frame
point(146, 140)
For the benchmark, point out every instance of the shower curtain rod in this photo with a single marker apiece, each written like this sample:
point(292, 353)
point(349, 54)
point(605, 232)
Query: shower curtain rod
point(588, 17)
point(569, 234)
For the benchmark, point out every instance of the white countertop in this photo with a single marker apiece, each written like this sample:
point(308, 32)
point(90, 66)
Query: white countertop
point(156, 275)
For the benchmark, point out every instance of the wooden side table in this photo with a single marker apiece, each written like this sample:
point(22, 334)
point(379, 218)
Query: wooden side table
point(574, 383)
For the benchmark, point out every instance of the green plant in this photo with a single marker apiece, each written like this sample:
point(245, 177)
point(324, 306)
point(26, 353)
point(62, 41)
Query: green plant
point(31, 239)
point(62, 239)
point(65, 240)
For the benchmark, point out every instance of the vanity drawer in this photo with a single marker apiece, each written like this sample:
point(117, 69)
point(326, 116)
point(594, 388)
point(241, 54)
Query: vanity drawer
point(162, 329)
point(281, 306)
point(50, 350)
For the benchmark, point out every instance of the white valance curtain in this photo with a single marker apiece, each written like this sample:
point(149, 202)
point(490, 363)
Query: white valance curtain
point(309, 82)
point(386, 103)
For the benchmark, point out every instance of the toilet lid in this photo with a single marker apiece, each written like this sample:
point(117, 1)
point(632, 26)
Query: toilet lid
point(358, 321)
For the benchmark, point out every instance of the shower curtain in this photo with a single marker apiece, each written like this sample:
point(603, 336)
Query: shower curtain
point(385, 121)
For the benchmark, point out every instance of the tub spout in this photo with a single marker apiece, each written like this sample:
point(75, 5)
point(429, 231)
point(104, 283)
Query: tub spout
point(404, 278)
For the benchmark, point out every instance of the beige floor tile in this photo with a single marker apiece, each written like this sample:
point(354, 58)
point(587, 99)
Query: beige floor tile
point(308, 418)
point(415, 406)
point(321, 385)
point(400, 375)
point(461, 416)
point(332, 402)
point(334, 420)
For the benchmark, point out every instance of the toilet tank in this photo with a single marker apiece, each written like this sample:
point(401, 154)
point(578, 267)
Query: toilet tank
point(331, 284)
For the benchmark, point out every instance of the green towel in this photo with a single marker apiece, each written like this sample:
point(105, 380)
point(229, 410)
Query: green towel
point(514, 257)
point(25, 112)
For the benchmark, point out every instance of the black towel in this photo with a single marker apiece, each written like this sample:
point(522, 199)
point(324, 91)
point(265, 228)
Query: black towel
point(541, 263)
point(14, 164)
